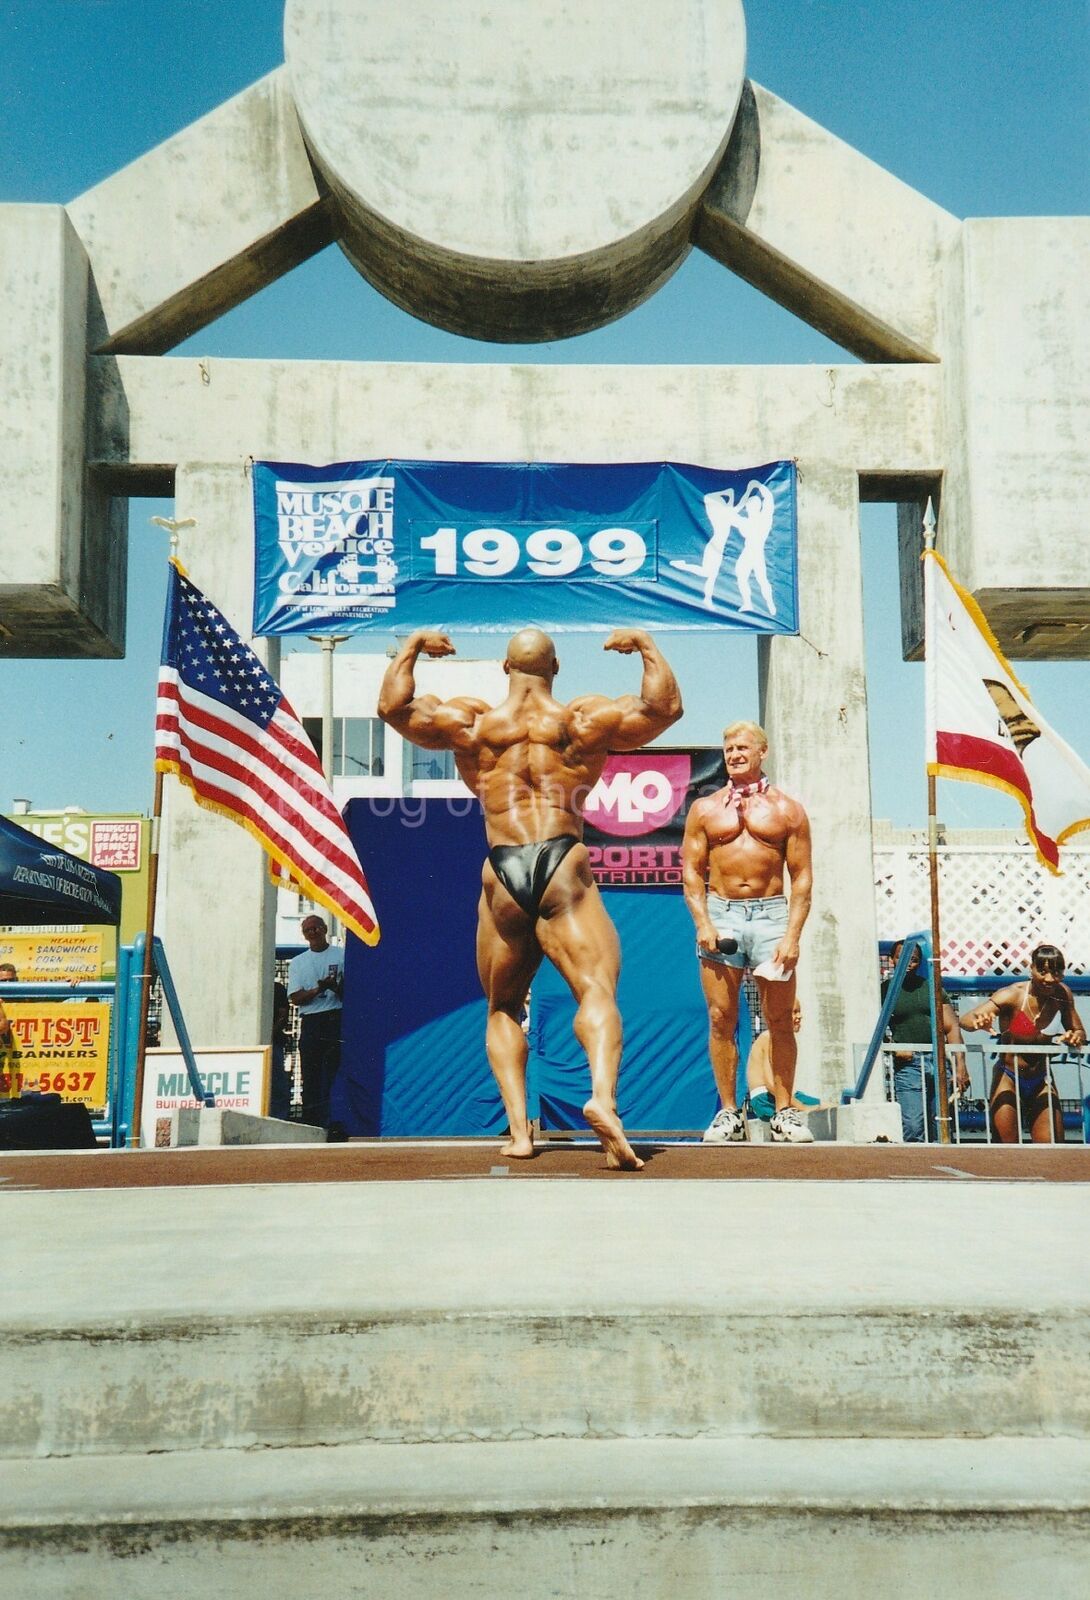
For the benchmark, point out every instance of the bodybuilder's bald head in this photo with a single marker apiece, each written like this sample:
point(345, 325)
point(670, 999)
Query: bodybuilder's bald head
point(533, 652)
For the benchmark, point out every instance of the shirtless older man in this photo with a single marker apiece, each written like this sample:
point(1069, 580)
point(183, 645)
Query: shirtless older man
point(532, 762)
point(739, 843)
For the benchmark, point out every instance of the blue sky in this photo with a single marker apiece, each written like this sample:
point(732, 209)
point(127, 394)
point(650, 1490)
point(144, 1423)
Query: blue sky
point(983, 108)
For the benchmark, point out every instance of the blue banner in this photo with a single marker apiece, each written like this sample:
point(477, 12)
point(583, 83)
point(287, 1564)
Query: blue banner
point(389, 546)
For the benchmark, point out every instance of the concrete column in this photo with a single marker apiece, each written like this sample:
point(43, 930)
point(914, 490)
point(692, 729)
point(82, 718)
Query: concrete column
point(216, 905)
point(814, 710)
point(1017, 396)
point(62, 543)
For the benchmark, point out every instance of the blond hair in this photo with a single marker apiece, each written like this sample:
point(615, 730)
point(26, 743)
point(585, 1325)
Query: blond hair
point(747, 727)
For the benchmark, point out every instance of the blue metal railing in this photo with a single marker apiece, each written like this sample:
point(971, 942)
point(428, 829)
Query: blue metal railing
point(135, 986)
point(912, 943)
point(978, 985)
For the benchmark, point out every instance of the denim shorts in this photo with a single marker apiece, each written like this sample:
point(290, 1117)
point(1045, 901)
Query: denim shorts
point(758, 925)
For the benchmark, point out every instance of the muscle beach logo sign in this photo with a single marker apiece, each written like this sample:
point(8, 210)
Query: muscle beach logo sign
point(635, 814)
point(335, 546)
point(488, 546)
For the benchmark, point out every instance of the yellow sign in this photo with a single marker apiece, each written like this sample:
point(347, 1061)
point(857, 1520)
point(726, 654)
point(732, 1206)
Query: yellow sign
point(113, 842)
point(75, 956)
point(60, 1048)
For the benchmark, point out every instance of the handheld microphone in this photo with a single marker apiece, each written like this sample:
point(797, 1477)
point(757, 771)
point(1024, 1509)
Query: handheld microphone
point(727, 946)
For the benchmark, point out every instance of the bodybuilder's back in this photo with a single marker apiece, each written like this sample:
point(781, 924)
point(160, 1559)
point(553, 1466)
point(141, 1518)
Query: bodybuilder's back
point(529, 762)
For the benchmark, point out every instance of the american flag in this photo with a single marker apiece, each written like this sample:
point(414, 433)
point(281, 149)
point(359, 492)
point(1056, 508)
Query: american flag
point(223, 726)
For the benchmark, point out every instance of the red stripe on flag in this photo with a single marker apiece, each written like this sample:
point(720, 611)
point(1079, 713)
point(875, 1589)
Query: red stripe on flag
point(309, 845)
point(994, 761)
point(276, 802)
point(265, 750)
point(243, 753)
point(311, 851)
point(315, 868)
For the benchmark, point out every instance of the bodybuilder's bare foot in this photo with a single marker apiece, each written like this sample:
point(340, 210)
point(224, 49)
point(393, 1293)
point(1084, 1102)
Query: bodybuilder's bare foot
point(519, 1148)
point(607, 1125)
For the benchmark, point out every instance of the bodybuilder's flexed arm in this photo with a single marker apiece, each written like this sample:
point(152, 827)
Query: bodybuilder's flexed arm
point(631, 720)
point(425, 720)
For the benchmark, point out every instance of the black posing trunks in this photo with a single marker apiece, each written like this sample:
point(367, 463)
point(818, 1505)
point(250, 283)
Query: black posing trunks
point(526, 870)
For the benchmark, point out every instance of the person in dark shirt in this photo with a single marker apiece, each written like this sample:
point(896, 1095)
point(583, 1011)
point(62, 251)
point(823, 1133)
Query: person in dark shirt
point(914, 1070)
point(280, 1082)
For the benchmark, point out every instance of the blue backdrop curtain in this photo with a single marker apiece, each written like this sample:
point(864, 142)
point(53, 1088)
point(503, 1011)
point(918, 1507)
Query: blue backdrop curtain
point(412, 1058)
point(413, 1062)
point(666, 1081)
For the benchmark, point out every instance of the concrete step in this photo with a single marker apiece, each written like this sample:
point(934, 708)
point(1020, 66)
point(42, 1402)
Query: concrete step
point(299, 1380)
point(548, 1518)
point(331, 1314)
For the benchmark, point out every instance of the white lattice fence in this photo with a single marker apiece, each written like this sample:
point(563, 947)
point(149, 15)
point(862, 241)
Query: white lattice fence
point(995, 904)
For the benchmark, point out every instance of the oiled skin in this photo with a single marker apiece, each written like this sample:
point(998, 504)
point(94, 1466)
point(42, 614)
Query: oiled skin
point(532, 761)
point(748, 852)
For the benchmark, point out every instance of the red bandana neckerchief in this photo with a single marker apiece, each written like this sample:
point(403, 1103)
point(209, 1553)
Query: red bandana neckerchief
point(739, 793)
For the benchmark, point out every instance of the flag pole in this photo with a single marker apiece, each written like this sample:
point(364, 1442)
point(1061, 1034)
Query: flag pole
point(328, 643)
point(146, 975)
point(172, 526)
point(937, 1030)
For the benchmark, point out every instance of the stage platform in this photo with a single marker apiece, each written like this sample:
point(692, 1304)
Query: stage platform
point(393, 1161)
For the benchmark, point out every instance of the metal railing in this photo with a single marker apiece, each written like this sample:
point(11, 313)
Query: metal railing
point(971, 1119)
point(912, 943)
point(1064, 1090)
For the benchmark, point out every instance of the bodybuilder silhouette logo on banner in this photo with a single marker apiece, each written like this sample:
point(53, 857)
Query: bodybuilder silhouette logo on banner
point(751, 518)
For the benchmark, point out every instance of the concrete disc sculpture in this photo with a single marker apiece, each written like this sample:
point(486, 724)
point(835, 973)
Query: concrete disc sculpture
point(516, 171)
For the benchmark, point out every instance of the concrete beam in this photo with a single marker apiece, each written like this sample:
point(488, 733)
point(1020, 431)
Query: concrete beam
point(62, 545)
point(201, 222)
point(148, 415)
point(829, 234)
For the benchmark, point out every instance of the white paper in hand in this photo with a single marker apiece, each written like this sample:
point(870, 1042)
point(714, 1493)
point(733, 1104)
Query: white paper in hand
point(772, 970)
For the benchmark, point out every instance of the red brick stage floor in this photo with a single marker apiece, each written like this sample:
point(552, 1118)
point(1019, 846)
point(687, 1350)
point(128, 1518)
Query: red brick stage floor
point(435, 1160)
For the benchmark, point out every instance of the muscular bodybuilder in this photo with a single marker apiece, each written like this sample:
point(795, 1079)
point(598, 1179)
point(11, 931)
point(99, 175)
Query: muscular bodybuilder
point(532, 762)
point(740, 844)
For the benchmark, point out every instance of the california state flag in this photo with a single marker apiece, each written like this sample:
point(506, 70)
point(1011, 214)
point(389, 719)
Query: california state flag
point(982, 725)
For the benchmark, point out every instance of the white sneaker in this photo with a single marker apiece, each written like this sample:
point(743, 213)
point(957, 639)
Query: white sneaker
point(788, 1127)
point(727, 1127)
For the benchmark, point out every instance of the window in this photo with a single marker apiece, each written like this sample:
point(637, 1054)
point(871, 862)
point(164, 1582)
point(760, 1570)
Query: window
point(432, 763)
point(359, 745)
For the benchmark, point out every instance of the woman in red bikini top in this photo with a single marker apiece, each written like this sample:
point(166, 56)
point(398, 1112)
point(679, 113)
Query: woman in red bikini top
point(1023, 1085)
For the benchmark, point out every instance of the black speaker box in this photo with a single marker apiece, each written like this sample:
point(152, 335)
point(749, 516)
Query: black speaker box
point(45, 1122)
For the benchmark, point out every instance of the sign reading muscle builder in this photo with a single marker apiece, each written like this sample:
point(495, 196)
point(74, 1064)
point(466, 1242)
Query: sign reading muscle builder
point(395, 545)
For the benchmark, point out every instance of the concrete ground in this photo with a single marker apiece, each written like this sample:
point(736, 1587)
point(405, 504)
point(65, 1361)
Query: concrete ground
point(93, 1255)
point(232, 1383)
